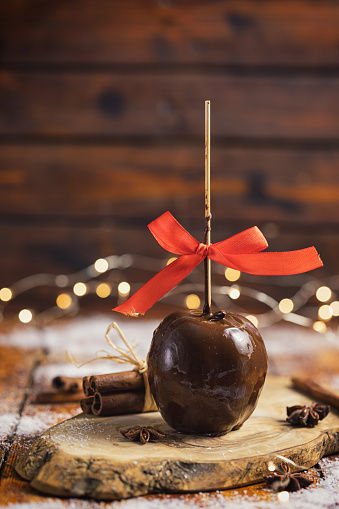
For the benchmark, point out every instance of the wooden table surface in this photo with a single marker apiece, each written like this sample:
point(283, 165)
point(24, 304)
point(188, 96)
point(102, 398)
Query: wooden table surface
point(21, 420)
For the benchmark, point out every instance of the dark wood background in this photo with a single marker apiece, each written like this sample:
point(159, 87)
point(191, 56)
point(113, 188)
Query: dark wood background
point(102, 120)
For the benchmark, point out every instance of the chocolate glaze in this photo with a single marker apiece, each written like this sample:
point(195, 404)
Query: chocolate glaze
point(206, 374)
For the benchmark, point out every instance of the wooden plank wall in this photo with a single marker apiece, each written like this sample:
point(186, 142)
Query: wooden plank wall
point(102, 118)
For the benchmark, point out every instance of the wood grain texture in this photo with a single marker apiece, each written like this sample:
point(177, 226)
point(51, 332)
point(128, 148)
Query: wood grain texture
point(87, 456)
point(236, 32)
point(68, 248)
point(64, 248)
point(12, 488)
point(16, 368)
point(323, 366)
point(15, 490)
point(32, 419)
point(156, 105)
point(135, 76)
point(101, 181)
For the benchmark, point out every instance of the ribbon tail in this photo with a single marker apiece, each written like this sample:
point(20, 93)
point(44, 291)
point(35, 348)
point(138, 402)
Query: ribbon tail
point(272, 264)
point(251, 240)
point(144, 298)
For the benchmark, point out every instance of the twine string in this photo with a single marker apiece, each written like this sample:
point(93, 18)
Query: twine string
point(133, 358)
point(125, 356)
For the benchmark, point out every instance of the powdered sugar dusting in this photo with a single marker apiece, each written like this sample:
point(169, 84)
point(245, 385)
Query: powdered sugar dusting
point(7, 424)
point(23, 336)
point(37, 424)
point(86, 336)
point(83, 338)
point(280, 340)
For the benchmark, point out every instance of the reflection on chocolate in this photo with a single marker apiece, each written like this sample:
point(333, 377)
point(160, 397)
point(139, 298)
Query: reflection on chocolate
point(206, 372)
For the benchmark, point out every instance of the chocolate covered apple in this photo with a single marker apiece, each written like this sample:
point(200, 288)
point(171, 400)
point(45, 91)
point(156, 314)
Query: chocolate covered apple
point(206, 371)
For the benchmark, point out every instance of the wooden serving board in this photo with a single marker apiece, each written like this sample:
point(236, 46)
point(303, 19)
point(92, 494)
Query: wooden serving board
point(87, 456)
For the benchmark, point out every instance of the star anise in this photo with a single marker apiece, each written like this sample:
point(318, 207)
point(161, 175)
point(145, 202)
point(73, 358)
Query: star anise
point(285, 481)
point(306, 415)
point(142, 434)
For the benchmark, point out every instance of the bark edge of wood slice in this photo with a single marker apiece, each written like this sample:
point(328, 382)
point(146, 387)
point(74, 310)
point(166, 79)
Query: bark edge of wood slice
point(86, 456)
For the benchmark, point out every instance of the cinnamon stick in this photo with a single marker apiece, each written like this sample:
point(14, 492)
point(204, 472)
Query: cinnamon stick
point(57, 397)
point(116, 382)
point(87, 387)
point(316, 390)
point(67, 384)
point(86, 404)
point(126, 402)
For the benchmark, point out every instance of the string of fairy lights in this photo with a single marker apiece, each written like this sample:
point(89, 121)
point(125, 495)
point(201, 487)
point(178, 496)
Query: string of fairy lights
point(70, 289)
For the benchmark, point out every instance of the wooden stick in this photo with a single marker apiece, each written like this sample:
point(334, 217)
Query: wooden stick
point(316, 391)
point(207, 240)
point(114, 382)
point(126, 402)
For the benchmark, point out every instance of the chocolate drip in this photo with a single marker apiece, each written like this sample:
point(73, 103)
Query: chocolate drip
point(219, 315)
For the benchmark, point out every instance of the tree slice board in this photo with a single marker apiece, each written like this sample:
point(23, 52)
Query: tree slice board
point(87, 455)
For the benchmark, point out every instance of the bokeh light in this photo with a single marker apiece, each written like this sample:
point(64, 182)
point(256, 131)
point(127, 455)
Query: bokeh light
point(323, 293)
point(325, 312)
point(319, 326)
point(253, 319)
point(335, 307)
point(80, 289)
point(171, 260)
point(25, 316)
point(64, 301)
point(124, 288)
point(283, 497)
point(101, 265)
point(103, 290)
point(61, 281)
point(232, 274)
point(234, 292)
point(286, 306)
point(6, 294)
point(192, 301)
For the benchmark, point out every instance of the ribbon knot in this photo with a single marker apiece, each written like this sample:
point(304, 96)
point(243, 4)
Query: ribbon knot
point(202, 250)
point(241, 252)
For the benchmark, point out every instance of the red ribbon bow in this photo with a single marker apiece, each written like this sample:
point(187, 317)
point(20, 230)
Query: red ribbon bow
point(241, 252)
